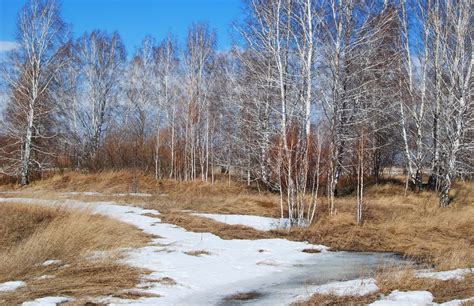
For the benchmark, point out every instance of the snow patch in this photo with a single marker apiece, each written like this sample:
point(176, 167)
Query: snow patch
point(93, 193)
point(133, 194)
point(11, 286)
point(413, 298)
point(87, 193)
point(51, 262)
point(48, 301)
point(457, 274)
point(256, 222)
point(45, 277)
point(357, 287)
point(457, 302)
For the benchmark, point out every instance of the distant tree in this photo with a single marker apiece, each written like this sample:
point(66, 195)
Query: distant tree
point(101, 58)
point(199, 55)
point(168, 85)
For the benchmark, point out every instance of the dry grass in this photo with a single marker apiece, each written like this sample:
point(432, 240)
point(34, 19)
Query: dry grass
point(197, 253)
point(402, 279)
point(244, 296)
point(32, 234)
point(329, 299)
point(405, 280)
point(413, 226)
point(204, 225)
point(104, 182)
point(168, 195)
point(311, 251)
point(166, 281)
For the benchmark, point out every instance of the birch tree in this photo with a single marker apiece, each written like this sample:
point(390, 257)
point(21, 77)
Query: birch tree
point(200, 50)
point(140, 87)
point(31, 74)
point(166, 68)
point(456, 120)
point(101, 58)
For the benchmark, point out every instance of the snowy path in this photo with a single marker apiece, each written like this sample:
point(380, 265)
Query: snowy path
point(276, 268)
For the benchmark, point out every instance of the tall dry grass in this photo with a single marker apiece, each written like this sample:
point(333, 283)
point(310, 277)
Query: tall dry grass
point(405, 279)
point(168, 195)
point(31, 234)
point(413, 225)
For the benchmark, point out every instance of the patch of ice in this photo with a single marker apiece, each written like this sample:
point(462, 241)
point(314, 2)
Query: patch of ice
point(457, 274)
point(412, 298)
point(11, 286)
point(48, 301)
point(256, 222)
point(51, 262)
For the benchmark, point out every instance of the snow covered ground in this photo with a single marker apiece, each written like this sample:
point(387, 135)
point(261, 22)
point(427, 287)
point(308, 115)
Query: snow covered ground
point(457, 274)
point(257, 222)
point(356, 287)
point(275, 268)
point(414, 298)
point(48, 301)
point(89, 193)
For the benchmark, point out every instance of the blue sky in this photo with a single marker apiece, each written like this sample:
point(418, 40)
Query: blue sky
point(136, 18)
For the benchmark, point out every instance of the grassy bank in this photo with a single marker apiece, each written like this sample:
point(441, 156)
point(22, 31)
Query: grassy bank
point(31, 235)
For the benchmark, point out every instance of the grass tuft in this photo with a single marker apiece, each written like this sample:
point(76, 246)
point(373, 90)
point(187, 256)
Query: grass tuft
point(197, 253)
point(31, 235)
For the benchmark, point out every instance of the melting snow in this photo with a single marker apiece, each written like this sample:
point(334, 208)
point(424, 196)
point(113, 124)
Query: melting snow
point(413, 298)
point(46, 277)
point(257, 222)
point(11, 286)
point(51, 262)
point(357, 287)
point(457, 274)
point(48, 301)
point(92, 193)
point(133, 194)
point(88, 193)
point(233, 266)
point(457, 302)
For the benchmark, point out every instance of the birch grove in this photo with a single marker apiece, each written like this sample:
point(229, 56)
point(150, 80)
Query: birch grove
point(317, 99)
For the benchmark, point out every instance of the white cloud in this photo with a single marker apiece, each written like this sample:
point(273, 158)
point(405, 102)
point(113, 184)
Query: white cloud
point(8, 45)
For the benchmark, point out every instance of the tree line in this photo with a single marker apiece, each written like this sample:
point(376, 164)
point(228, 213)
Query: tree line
point(318, 96)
